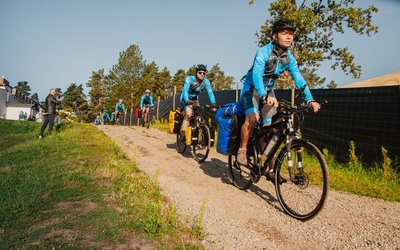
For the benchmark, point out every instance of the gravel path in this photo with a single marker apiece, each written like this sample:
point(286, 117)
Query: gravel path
point(253, 219)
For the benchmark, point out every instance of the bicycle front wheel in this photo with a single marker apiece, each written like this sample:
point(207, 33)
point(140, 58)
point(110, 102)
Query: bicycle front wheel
point(307, 175)
point(202, 148)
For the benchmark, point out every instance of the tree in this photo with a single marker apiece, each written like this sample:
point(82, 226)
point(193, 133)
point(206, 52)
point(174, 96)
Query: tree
point(59, 92)
point(218, 79)
point(154, 81)
point(332, 85)
point(316, 22)
point(164, 84)
point(23, 88)
point(177, 80)
point(35, 97)
point(96, 94)
point(75, 99)
point(124, 77)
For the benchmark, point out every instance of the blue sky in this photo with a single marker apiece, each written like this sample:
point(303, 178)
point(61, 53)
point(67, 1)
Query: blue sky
point(53, 43)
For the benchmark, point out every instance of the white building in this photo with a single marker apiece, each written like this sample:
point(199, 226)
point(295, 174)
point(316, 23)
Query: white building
point(12, 102)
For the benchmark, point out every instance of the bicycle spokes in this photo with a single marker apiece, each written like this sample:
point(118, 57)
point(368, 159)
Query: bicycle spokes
point(304, 166)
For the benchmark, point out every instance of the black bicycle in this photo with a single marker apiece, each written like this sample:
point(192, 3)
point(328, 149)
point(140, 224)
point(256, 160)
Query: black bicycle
point(119, 118)
point(146, 116)
point(301, 172)
point(201, 135)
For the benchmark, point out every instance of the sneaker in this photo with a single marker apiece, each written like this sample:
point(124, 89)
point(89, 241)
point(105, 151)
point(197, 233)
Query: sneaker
point(271, 177)
point(242, 157)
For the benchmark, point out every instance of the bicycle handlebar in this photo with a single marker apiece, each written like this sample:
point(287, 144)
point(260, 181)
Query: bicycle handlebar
point(283, 104)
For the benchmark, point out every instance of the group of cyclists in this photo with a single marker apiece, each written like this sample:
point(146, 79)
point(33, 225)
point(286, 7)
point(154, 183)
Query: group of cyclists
point(270, 61)
point(147, 103)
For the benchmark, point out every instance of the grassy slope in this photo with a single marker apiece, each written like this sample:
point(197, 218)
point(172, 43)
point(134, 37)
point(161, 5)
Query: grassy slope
point(76, 189)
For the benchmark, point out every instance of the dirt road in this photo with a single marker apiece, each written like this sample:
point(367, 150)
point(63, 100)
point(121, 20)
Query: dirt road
point(253, 219)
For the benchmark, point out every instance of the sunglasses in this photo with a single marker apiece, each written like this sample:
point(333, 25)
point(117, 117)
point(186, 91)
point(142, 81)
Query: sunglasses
point(201, 73)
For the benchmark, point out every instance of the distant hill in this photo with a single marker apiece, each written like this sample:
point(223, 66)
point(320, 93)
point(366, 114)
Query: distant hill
point(386, 80)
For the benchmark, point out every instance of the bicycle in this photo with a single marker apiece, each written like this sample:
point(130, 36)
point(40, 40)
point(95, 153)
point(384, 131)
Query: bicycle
point(146, 116)
point(202, 139)
point(299, 162)
point(119, 118)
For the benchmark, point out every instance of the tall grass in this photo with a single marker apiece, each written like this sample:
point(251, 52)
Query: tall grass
point(381, 180)
point(77, 190)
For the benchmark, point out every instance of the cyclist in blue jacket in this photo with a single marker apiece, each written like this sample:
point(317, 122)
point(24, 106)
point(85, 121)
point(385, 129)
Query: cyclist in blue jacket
point(269, 63)
point(105, 117)
point(192, 87)
point(119, 110)
point(146, 102)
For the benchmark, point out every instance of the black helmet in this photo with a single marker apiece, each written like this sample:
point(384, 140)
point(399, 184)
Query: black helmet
point(283, 24)
point(201, 67)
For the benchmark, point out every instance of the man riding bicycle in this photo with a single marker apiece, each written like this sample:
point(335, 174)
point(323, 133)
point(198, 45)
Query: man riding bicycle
point(192, 87)
point(146, 102)
point(269, 63)
point(119, 110)
point(105, 117)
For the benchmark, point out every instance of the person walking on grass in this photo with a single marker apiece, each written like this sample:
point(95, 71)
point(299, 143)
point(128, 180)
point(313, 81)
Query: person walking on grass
point(49, 114)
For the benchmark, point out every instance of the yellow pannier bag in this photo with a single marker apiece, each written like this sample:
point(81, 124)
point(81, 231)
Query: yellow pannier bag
point(188, 135)
point(175, 121)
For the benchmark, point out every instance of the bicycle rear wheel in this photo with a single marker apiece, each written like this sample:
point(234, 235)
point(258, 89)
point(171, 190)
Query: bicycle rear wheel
point(243, 176)
point(180, 142)
point(202, 148)
point(304, 194)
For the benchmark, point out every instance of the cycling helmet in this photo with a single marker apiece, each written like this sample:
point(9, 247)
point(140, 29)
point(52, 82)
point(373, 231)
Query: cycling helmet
point(201, 67)
point(147, 91)
point(283, 24)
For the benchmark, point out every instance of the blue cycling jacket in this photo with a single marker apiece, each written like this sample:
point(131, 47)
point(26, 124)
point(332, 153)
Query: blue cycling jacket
point(192, 88)
point(146, 100)
point(268, 66)
point(119, 107)
point(105, 116)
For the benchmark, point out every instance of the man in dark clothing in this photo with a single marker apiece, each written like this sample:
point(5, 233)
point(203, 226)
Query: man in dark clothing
point(49, 112)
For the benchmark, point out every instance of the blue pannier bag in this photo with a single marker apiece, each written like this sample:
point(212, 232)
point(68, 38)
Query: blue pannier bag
point(229, 118)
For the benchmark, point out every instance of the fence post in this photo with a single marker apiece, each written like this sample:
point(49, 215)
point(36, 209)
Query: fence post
point(173, 99)
point(158, 106)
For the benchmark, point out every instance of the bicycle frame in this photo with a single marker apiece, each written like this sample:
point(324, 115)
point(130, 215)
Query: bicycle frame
point(203, 141)
point(284, 128)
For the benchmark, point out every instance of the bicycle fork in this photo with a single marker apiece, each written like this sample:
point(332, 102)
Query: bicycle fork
point(296, 172)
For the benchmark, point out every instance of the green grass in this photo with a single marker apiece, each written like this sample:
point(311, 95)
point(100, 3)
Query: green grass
point(77, 190)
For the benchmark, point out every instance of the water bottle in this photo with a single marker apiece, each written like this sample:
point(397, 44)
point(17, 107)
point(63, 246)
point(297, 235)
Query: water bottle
point(271, 144)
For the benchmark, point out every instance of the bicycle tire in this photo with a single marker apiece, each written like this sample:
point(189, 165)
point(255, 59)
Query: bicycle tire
point(180, 142)
point(202, 148)
point(304, 195)
point(242, 176)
